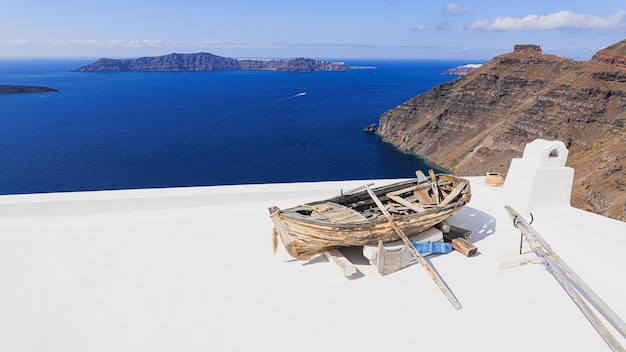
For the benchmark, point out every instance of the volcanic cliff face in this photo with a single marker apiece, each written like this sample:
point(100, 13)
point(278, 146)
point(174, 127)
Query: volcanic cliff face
point(477, 123)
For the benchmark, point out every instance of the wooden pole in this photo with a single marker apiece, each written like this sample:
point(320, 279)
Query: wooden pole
point(335, 256)
point(442, 286)
point(434, 186)
point(558, 268)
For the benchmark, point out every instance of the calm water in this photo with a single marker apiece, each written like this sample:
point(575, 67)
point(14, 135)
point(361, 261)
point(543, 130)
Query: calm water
point(156, 129)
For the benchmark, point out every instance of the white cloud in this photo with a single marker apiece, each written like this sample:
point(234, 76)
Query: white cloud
point(420, 27)
point(144, 43)
point(15, 42)
point(72, 43)
point(91, 43)
point(558, 20)
point(457, 9)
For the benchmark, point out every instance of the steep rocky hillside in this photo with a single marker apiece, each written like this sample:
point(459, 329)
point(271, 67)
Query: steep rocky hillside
point(477, 123)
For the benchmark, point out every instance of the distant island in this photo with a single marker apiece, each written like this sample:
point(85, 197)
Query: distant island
point(13, 89)
point(462, 70)
point(210, 62)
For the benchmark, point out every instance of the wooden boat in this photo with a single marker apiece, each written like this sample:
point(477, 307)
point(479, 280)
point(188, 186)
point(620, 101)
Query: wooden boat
point(353, 219)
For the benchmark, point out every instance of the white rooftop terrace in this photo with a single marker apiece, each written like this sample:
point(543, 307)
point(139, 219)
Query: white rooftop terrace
point(192, 269)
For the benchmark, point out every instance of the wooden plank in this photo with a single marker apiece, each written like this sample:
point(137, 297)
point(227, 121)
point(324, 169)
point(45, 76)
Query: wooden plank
point(400, 191)
point(463, 246)
point(406, 203)
point(336, 257)
point(455, 192)
point(458, 237)
point(433, 185)
point(412, 198)
point(337, 213)
point(423, 197)
point(421, 193)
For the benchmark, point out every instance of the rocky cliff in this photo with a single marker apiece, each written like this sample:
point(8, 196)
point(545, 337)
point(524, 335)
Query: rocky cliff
point(477, 123)
point(209, 62)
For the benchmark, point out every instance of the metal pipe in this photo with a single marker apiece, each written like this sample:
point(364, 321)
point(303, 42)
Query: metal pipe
point(558, 268)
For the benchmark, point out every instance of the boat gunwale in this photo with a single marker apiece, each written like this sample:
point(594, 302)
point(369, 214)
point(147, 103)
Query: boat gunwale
point(292, 214)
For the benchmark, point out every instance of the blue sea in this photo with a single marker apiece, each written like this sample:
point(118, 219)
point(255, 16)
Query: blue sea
point(169, 129)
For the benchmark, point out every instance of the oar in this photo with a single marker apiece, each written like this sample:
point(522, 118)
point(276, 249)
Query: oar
point(558, 268)
point(442, 286)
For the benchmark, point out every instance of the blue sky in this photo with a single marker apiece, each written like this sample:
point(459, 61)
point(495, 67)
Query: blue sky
point(408, 29)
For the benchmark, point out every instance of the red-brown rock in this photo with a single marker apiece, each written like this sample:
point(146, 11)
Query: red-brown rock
point(477, 123)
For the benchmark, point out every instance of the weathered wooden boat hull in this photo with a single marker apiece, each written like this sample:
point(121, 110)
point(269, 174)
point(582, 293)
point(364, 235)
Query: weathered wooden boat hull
point(317, 227)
